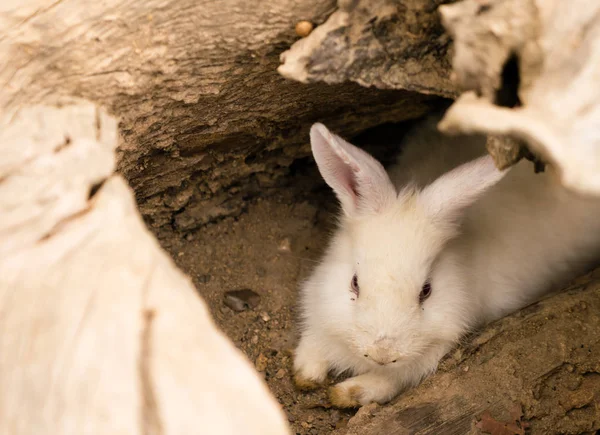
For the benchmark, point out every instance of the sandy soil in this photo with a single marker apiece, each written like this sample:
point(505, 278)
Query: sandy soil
point(269, 249)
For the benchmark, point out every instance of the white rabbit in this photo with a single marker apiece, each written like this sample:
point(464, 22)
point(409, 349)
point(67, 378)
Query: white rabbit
point(416, 264)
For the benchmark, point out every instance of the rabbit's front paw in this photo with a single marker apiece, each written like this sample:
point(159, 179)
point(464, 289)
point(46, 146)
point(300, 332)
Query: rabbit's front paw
point(310, 371)
point(362, 390)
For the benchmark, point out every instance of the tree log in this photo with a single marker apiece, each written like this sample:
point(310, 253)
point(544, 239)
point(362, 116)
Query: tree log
point(540, 367)
point(535, 65)
point(206, 121)
point(99, 332)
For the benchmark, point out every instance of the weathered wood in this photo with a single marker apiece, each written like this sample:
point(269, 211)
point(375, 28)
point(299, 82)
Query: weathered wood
point(544, 359)
point(206, 119)
point(383, 43)
point(531, 70)
point(99, 331)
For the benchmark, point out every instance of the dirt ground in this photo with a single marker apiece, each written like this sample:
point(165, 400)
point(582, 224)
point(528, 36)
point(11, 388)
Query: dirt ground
point(269, 249)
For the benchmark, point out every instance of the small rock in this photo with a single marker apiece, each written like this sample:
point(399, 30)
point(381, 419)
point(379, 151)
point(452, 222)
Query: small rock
point(204, 279)
point(305, 425)
point(241, 300)
point(285, 245)
point(265, 316)
point(310, 418)
point(280, 374)
point(180, 254)
point(303, 28)
point(254, 339)
point(465, 369)
point(261, 363)
point(189, 237)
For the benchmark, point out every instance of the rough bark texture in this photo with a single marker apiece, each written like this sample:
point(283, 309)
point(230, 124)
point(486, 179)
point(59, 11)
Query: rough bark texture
point(100, 333)
point(531, 68)
point(384, 43)
point(543, 360)
point(206, 120)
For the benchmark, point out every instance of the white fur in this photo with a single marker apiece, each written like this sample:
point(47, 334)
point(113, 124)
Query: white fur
point(489, 243)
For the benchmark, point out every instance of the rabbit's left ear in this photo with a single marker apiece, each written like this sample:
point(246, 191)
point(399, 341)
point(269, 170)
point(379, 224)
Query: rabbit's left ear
point(358, 179)
point(452, 192)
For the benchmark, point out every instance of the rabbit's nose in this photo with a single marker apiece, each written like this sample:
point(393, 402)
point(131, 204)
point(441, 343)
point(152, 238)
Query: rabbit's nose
point(382, 355)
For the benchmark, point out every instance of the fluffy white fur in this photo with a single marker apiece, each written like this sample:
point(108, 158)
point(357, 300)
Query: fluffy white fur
point(489, 242)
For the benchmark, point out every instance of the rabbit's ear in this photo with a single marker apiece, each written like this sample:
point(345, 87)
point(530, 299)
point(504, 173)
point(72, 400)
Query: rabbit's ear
point(359, 180)
point(447, 196)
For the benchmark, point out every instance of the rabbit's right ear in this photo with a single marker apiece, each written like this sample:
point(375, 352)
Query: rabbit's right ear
point(359, 180)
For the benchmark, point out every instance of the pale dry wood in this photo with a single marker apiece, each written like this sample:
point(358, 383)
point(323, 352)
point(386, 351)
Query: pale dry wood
point(100, 333)
point(557, 47)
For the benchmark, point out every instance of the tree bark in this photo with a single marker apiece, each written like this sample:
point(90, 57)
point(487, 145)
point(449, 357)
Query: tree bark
point(99, 331)
point(388, 44)
point(205, 119)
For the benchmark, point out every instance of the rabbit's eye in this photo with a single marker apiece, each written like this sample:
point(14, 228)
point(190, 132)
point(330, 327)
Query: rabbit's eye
point(354, 285)
point(425, 292)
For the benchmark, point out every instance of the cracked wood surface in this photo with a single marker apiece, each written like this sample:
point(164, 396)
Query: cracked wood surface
point(206, 120)
point(99, 331)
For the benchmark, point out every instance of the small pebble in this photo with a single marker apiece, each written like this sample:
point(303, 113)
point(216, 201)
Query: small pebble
point(465, 368)
point(310, 418)
point(180, 254)
point(303, 28)
point(285, 245)
point(265, 316)
point(203, 279)
point(189, 237)
point(280, 374)
point(254, 339)
point(261, 363)
point(241, 300)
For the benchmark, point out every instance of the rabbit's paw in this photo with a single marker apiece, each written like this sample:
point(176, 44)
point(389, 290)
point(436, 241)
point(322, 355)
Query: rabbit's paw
point(362, 390)
point(305, 384)
point(309, 370)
